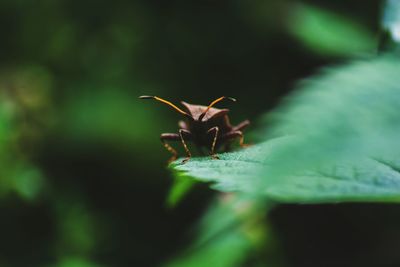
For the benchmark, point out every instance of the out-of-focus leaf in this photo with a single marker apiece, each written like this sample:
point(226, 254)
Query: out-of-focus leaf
point(178, 191)
point(5, 130)
point(229, 233)
point(24, 93)
point(328, 33)
point(336, 139)
point(4, 127)
point(77, 227)
point(109, 115)
point(76, 262)
point(229, 250)
point(28, 182)
point(390, 38)
point(391, 19)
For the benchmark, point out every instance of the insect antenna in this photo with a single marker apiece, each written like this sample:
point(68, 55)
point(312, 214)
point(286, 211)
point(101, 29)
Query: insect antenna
point(167, 103)
point(213, 103)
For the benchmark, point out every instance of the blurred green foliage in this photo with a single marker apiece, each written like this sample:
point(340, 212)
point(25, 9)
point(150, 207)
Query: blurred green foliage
point(231, 230)
point(330, 34)
point(390, 35)
point(21, 128)
point(179, 189)
point(83, 180)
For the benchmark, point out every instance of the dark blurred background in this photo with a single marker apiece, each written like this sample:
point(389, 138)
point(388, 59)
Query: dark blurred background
point(83, 178)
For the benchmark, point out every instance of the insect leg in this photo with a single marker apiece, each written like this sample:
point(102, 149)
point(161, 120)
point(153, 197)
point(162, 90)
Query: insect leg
point(235, 134)
point(215, 130)
point(188, 135)
point(170, 137)
point(241, 126)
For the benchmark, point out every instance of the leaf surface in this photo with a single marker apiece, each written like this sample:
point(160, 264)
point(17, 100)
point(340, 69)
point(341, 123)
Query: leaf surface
point(334, 140)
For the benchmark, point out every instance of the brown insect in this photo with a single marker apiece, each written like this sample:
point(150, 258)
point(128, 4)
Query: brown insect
point(205, 126)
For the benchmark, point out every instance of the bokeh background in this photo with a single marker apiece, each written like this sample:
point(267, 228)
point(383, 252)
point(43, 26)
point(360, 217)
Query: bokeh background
point(83, 177)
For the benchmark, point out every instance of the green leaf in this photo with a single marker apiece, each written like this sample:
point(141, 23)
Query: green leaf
point(17, 174)
point(231, 230)
point(28, 181)
point(391, 19)
point(328, 33)
point(76, 262)
point(334, 140)
point(107, 114)
point(178, 191)
point(390, 38)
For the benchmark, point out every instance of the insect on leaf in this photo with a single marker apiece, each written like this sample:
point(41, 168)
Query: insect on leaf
point(335, 139)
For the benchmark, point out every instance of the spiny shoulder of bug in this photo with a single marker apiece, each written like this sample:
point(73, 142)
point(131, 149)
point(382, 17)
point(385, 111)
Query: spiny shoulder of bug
point(203, 121)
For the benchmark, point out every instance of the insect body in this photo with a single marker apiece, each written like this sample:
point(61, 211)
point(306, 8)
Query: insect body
point(205, 126)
